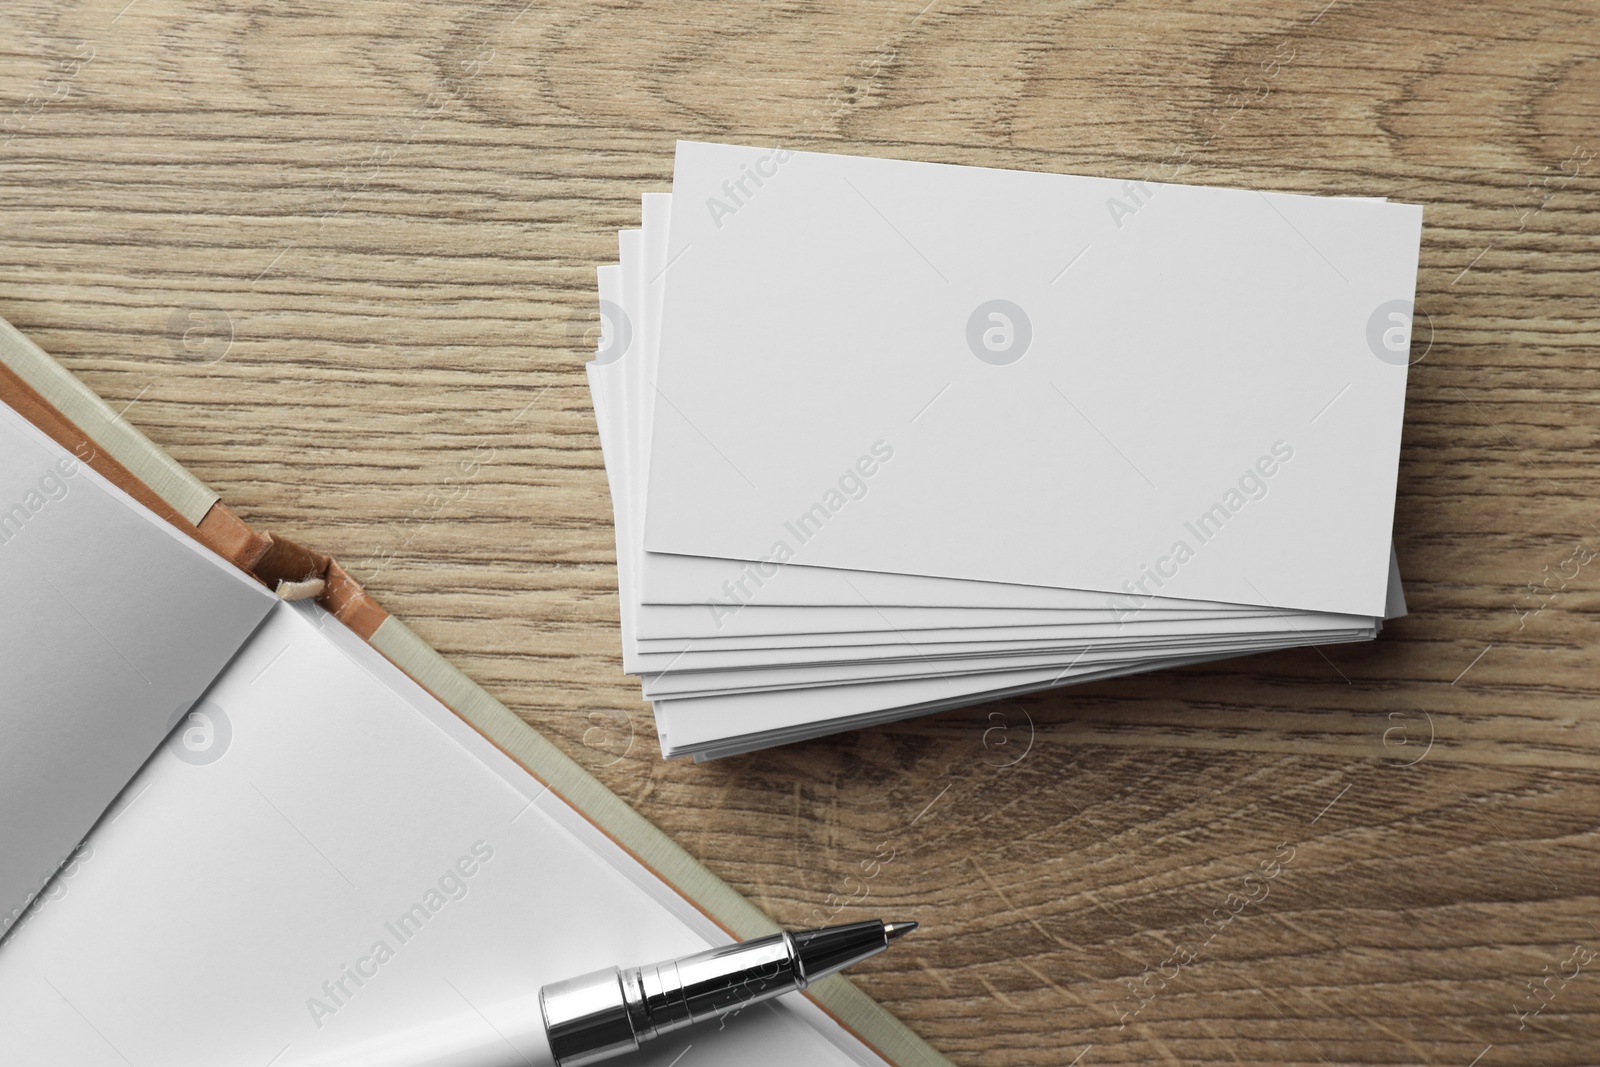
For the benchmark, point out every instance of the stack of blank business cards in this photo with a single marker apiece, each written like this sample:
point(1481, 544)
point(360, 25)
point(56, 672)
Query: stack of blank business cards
point(886, 437)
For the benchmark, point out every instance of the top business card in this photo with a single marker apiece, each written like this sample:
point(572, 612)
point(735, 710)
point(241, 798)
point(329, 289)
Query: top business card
point(1086, 383)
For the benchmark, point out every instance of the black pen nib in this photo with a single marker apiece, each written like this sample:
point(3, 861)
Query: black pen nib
point(897, 930)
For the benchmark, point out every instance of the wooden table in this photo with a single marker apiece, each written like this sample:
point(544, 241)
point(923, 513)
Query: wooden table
point(339, 259)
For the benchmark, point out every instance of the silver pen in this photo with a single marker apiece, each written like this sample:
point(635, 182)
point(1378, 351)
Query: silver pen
point(612, 1012)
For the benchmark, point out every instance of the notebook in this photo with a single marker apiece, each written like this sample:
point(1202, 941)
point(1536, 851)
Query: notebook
point(344, 851)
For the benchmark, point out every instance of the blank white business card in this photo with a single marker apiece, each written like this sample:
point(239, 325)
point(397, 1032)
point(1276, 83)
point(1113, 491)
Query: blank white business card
point(892, 366)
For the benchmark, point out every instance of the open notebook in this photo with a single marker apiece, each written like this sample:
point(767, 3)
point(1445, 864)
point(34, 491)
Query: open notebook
point(344, 852)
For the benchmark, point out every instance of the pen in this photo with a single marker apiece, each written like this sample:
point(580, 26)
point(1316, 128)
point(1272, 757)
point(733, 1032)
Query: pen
point(609, 1013)
point(614, 1011)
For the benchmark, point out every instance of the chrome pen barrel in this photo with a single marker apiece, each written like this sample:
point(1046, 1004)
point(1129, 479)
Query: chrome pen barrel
point(673, 994)
point(597, 1016)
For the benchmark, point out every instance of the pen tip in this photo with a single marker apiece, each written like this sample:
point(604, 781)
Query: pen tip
point(892, 931)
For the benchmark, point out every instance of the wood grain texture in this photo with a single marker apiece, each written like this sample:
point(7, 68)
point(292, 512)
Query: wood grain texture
point(338, 258)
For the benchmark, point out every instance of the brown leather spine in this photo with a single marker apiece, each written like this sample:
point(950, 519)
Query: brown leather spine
point(350, 603)
point(276, 559)
point(232, 538)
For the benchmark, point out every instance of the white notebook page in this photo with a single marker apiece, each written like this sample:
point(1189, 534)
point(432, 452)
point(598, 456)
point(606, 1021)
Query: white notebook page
point(112, 623)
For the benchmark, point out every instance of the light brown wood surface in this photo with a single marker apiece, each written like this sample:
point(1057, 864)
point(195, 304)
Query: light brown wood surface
point(338, 258)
